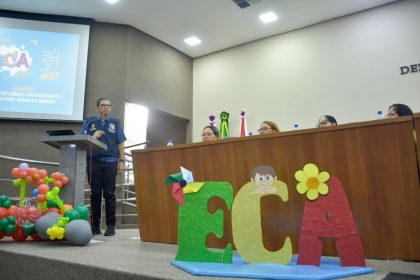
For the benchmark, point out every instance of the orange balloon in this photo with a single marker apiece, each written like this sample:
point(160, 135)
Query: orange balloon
point(12, 210)
point(56, 175)
point(42, 173)
point(68, 207)
point(15, 172)
point(43, 188)
point(23, 174)
point(65, 180)
point(31, 171)
point(58, 184)
point(41, 198)
point(4, 213)
point(53, 209)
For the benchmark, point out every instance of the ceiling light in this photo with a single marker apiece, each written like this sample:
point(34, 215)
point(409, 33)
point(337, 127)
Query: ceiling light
point(268, 17)
point(112, 1)
point(192, 41)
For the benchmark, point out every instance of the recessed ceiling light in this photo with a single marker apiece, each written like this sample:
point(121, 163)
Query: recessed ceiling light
point(112, 1)
point(192, 41)
point(268, 17)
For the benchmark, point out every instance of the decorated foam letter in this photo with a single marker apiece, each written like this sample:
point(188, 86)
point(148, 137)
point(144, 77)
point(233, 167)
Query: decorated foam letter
point(246, 218)
point(328, 215)
point(195, 223)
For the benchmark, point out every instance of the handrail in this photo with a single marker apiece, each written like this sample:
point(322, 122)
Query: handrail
point(28, 160)
point(135, 145)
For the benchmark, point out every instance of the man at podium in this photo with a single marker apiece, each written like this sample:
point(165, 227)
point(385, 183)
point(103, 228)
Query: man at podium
point(102, 166)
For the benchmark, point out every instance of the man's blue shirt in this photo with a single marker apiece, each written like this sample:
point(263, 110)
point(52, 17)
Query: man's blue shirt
point(114, 135)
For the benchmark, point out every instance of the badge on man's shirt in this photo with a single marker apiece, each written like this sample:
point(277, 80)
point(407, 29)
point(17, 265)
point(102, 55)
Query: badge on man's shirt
point(92, 127)
point(111, 128)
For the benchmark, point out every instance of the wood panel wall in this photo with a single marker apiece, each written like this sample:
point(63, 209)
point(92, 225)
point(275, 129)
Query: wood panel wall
point(376, 162)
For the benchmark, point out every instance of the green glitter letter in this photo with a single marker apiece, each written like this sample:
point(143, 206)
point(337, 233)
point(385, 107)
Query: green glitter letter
point(195, 223)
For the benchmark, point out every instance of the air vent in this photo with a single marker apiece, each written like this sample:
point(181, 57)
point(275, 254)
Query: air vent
point(245, 3)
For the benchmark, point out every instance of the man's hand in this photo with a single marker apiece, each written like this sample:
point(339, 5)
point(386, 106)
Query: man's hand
point(121, 167)
point(98, 133)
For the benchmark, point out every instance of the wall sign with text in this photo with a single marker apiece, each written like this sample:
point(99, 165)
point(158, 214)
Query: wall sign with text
point(410, 69)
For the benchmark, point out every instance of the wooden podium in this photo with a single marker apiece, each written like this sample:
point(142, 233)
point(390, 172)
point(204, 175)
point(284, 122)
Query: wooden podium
point(73, 162)
point(375, 160)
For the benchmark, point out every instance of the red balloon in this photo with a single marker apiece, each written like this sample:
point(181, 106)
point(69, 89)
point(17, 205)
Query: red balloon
point(43, 188)
point(19, 235)
point(42, 173)
point(12, 210)
point(53, 209)
point(31, 171)
point(56, 175)
point(29, 180)
point(27, 214)
point(41, 198)
point(15, 172)
point(58, 184)
point(23, 174)
point(35, 236)
point(4, 213)
point(2, 234)
point(65, 180)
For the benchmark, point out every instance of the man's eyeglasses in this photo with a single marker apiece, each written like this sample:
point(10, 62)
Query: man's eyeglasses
point(261, 129)
point(104, 105)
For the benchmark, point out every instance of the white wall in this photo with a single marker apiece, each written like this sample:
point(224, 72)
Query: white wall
point(348, 68)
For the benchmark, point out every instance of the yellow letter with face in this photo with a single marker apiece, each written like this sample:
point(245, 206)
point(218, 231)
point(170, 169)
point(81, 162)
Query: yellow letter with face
point(246, 221)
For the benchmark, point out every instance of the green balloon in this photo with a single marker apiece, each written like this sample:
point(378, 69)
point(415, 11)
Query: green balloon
point(72, 215)
point(16, 182)
point(7, 203)
point(83, 212)
point(11, 220)
point(3, 198)
point(10, 229)
point(28, 228)
point(52, 203)
point(3, 224)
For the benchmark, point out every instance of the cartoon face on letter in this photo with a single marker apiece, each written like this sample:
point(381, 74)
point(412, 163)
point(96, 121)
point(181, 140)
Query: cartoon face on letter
point(263, 180)
point(264, 177)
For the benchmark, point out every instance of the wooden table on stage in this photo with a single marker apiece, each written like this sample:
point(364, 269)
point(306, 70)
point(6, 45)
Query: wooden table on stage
point(375, 160)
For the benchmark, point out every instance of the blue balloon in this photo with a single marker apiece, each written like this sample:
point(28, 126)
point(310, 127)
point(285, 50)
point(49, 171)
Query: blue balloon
point(35, 192)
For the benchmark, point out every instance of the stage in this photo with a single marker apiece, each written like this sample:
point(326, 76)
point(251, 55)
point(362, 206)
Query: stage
point(123, 256)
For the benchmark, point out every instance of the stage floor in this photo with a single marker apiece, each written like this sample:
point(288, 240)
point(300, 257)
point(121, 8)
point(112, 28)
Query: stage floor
point(123, 256)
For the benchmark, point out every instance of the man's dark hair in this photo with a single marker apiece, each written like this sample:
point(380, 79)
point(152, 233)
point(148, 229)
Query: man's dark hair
point(102, 99)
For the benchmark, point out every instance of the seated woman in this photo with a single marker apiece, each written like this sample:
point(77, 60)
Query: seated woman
point(210, 133)
point(268, 127)
point(326, 120)
point(399, 110)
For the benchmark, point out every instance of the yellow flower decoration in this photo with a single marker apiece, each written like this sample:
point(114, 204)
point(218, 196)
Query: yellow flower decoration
point(56, 232)
point(311, 181)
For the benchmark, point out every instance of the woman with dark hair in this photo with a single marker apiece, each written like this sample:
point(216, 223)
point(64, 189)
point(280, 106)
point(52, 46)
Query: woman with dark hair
point(210, 133)
point(399, 110)
point(268, 127)
point(326, 120)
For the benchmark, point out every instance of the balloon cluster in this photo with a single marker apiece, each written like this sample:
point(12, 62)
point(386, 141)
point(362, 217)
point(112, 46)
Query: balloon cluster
point(46, 217)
